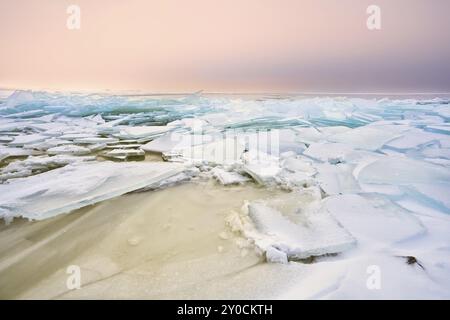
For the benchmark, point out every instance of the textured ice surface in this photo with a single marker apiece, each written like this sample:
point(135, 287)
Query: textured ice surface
point(317, 235)
point(227, 178)
point(368, 138)
point(173, 142)
point(123, 154)
point(374, 171)
point(69, 149)
point(373, 219)
point(37, 164)
point(77, 185)
point(141, 132)
point(6, 152)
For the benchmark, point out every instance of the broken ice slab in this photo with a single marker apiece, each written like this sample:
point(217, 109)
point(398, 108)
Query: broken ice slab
point(228, 177)
point(443, 111)
point(321, 234)
point(435, 152)
point(19, 141)
point(6, 139)
point(34, 165)
point(95, 140)
point(313, 134)
point(96, 147)
point(223, 151)
point(424, 181)
point(124, 154)
point(329, 152)
point(6, 152)
point(400, 170)
point(444, 128)
point(414, 138)
point(139, 132)
point(366, 138)
point(187, 174)
point(274, 255)
point(299, 165)
point(297, 171)
point(123, 146)
point(373, 219)
point(77, 185)
point(47, 144)
point(76, 135)
point(337, 179)
point(174, 141)
point(69, 150)
point(262, 167)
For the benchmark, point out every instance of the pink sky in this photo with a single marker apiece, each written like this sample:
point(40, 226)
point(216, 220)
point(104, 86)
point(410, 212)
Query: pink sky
point(226, 45)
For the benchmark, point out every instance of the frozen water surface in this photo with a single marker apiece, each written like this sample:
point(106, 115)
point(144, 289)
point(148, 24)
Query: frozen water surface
point(367, 179)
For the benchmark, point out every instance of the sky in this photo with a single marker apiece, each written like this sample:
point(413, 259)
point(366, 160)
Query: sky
point(226, 46)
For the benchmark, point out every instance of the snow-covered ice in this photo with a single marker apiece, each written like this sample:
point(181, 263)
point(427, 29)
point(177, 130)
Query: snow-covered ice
point(319, 234)
point(366, 179)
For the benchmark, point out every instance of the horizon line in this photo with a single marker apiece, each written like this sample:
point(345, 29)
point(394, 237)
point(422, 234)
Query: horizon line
point(143, 93)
